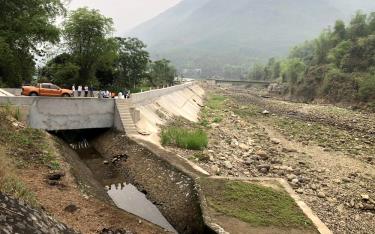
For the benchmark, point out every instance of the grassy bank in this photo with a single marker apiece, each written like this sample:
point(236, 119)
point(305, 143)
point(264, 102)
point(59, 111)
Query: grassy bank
point(254, 204)
point(194, 139)
point(21, 147)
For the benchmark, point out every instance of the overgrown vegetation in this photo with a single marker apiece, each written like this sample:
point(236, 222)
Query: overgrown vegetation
point(194, 139)
point(338, 66)
point(254, 204)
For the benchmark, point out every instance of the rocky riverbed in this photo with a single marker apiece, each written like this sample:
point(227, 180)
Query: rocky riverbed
point(328, 160)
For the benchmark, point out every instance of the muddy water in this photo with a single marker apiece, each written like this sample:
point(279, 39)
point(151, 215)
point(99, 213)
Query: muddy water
point(125, 196)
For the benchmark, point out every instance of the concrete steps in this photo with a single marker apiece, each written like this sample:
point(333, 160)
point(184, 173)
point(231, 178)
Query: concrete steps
point(126, 117)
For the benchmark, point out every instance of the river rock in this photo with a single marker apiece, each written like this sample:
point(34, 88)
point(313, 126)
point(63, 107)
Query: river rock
point(275, 141)
point(215, 169)
point(365, 197)
point(71, 208)
point(321, 194)
point(264, 168)
point(56, 175)
point(243, 146)
point(290, 177)
point(228, 165)
point(265, 112)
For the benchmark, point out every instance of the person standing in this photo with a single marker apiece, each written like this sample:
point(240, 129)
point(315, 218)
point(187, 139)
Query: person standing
point(79, 90)
point(74, 89)
point(86, 91)
point(91, 91)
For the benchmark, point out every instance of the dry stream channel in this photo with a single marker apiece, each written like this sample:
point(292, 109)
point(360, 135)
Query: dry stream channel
point(138, 181)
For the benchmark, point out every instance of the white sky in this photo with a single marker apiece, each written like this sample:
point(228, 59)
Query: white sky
point(126, 14)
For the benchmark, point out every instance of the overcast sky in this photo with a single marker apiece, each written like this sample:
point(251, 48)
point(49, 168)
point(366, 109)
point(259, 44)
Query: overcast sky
point(126, 14)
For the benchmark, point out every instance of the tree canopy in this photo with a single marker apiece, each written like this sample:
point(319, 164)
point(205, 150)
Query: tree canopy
point(24, 26)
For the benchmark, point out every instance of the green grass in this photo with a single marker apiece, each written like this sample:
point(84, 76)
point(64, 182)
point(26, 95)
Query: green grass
point(254, 204)
point(194, 139)
point(215, 102)
point(11, 185)
point(33, 143)
point(247, 111)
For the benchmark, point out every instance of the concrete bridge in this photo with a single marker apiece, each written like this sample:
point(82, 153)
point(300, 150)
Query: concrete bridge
point(58, 113)
point(240, 82)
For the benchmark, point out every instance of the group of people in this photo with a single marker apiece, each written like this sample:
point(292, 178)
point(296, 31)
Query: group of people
point(88, 92)
point(108, 94)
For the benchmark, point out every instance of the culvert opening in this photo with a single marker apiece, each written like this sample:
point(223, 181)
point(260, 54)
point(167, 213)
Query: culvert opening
point(109, 173)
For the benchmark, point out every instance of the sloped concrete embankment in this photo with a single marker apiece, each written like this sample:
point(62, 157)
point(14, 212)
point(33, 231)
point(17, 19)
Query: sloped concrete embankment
point(151, 111)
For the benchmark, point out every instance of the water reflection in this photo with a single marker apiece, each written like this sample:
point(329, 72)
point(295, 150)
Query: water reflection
point(127, 197)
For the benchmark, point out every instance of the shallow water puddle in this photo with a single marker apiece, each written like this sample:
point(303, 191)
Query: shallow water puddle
point(128, 198)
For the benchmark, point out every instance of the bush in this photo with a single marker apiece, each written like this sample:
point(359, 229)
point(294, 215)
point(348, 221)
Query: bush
point(367, 89)
point(184, 138)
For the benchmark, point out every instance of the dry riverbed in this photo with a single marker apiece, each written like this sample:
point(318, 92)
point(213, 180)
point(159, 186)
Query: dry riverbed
point(326, 153)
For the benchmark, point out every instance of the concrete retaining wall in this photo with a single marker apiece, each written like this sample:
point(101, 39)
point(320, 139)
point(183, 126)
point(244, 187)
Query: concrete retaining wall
point(150, 96)
point(57, 113)
point(51, 113)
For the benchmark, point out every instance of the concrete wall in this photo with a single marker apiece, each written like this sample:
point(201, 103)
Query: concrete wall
point(52, 113)
point(65, 113)
point(150, 96)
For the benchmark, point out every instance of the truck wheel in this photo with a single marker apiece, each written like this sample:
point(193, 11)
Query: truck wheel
point(33, 94)
point(66, 95)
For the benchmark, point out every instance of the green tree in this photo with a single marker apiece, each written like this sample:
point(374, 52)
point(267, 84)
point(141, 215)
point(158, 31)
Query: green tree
point(162, 73)
point(358, 26)
point(61, 70)
point(257, 72)
point(87, 35)
point(133, 60)
point(24, 26)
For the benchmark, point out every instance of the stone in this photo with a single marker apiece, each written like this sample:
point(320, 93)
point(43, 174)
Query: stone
point(261, 153)
point(243, 146)
point(300, 191)
point(290, 177)
point(313, 187)
point(321, 194)
point(249, 162)
point(265, 112)
point(288, 150)
point(367, 206)
point(228, 165)
point(295, 181)
point(215, 170)
point(105, 162)
point(56, 175)
point(264, 168)
point(71, 208)
point(365, 197)
point(275, 141)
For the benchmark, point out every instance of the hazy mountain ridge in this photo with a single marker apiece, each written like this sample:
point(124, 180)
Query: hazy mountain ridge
point(197, 32)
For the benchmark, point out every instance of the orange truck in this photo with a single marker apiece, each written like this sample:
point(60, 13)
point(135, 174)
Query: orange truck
point(46, 89)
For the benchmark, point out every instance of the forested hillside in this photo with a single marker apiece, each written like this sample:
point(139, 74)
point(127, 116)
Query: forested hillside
point(338, 66)
point(224, 37)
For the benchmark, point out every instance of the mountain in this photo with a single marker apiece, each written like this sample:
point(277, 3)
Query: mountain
point(211, 34)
